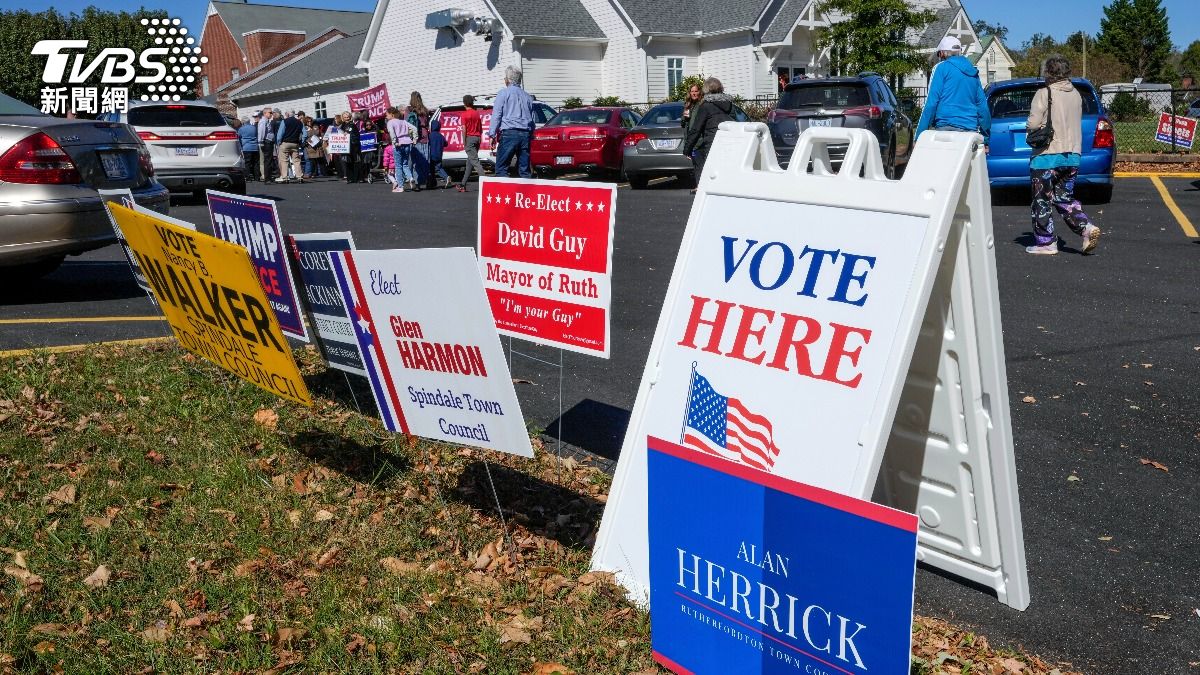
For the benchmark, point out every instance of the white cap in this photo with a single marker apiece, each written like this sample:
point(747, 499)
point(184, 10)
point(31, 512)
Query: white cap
point(950, 44)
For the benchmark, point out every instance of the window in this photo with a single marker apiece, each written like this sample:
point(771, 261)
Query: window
point(815, 94)
point(542, 113)
point(674, 72)
point(1015, 102)
point(175, 115)
point(234, 73)
point(628, 119)
point(991, 76)
point(204, 85)
point(319, 109)
point(581, 117)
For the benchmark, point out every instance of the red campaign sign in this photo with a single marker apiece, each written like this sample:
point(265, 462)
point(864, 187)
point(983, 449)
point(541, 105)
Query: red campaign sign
point(1185, 130)
point(545, 254)
point(374, 100)
point(451, 122)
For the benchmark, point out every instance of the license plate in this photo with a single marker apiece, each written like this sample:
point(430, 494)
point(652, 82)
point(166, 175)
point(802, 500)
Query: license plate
point(187, 151)
point(821, 122)
point(564, 160)
point(666, 143)
point(114, 166)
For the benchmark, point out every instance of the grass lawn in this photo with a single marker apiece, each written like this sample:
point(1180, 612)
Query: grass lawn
point(161, 516)
point(1139, 137)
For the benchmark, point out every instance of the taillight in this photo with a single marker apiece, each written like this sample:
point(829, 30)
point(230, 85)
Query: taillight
point(145, 163)
point(1104, 134)
point(869, 111)
point(633, 139)
point(149, 136)
point(777, 114)
point(545, 135)
point(585, 135)
point(38, 159)
point(222, 136)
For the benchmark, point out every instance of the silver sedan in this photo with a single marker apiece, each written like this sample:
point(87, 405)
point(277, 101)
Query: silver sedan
point(654, 148)
point(50, 169)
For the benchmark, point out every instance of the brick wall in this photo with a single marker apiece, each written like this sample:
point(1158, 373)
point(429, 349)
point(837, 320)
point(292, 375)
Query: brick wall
point(223, 54)
point(263, 45)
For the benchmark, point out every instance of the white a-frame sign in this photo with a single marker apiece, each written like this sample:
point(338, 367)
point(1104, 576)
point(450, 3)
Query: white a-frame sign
point(825, 325)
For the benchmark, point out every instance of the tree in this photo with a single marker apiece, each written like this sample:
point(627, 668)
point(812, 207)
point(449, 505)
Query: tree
point(1137, 33)
point(984, 28)
point(21, 76)
point(1102, 68)
point(1189, 62)
point(872, 36)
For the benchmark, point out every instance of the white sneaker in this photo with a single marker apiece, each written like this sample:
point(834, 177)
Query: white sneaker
point(1046, 249)
point(281, 179)
point(1090, 237)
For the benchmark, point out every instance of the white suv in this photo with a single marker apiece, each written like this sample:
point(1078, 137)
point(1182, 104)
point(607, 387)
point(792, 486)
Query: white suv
point(454, 157)
point(191, 145)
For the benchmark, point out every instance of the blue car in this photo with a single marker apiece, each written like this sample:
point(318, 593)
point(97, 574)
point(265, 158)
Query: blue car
point(1008, 158)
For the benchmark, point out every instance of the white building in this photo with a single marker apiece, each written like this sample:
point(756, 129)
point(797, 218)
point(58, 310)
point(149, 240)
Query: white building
point(993, 60)
point(633, 49)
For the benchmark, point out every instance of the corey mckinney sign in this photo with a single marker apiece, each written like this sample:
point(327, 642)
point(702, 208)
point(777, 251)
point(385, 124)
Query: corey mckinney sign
point(429, 346)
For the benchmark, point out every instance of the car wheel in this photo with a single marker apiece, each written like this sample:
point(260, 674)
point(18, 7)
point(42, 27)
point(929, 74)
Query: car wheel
point(33, 270)
point(638, 182)
point(889, 164)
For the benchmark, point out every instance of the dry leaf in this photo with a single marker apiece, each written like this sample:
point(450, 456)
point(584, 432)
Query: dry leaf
point(1012, 666)
point(246, 625)
point(286, 635)
point(1158, 465)
point(96, 523)
point(99, 578)
point(267, 418)
point(156, 633)
point(32, 582)
point(175, 609)
point(540, 668)
point(397, 566)
point(44, 647)
point(1073, 478)
point(322, 516)
point(63, 495)
point(1029, 399)
point(328, 558)
point(1161, 617)
point(247, 568)
point(355, 643)
point(51, 629)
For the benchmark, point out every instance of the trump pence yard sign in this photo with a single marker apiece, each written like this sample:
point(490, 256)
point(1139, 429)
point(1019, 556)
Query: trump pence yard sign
point(210, 293)
point(545, 252)
point(429, 346)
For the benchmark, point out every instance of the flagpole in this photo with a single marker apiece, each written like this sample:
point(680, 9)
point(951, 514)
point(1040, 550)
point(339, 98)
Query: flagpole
point(687, 404)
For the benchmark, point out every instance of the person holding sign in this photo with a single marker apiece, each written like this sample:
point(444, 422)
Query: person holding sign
point(1054, 166)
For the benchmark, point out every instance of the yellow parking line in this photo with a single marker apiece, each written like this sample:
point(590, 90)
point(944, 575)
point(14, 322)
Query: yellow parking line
point(13, 353)
point(1175, 174)
point(1186, 224)
point(83, 319)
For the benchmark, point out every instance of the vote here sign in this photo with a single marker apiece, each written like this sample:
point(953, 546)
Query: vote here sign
point(253, 224)
point(545, 253)
point(751, 573)
point(430, 348)
point(209, 292)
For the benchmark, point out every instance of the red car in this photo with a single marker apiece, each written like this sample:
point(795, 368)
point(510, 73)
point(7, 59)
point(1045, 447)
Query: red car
point(582, 139)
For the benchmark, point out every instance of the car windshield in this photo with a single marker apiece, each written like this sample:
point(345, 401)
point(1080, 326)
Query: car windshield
point(581, 117)
point(11, 106)
point(828, 95)
point(668, 114)
point(1015, 102)
point(175, 116)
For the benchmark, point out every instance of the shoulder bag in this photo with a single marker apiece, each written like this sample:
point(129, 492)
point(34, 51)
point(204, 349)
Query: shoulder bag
point(1041, 138)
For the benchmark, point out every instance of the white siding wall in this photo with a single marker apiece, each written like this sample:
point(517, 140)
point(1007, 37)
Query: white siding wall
point(764, 75)
point(729, 59)
point(408, 57)
point(657, 53)
point(624, 62)
point(302, 100)
point(556, 72)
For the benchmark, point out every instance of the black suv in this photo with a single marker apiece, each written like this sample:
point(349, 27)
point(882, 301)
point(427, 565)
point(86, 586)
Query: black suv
point(862, 102)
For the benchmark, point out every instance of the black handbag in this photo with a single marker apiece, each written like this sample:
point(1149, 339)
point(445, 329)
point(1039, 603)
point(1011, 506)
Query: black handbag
point(1040, 138)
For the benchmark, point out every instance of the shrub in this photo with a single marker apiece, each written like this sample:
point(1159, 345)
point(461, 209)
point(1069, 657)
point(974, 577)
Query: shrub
point(679, 92)
point(573, 102)
point(1126, 107)
point(609, 100)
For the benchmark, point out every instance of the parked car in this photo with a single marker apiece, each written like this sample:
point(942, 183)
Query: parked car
point(454, 157)
point(1008, 153)
point(50, 169)
point(653, 147)
point(861, 102)
point(582, 139)
point(1193, 110)
point(192, 146)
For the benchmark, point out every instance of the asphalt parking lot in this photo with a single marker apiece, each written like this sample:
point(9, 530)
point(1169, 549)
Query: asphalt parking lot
point(1107, 346)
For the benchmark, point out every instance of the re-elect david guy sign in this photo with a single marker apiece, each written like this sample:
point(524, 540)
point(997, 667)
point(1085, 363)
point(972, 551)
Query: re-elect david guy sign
point(253, 224)
point(330, 316)
point(209, 292)
point(545, 253)
point(751, 573)
point(430, 348)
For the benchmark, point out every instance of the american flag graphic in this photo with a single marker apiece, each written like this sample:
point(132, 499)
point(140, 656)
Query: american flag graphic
point(721, 425)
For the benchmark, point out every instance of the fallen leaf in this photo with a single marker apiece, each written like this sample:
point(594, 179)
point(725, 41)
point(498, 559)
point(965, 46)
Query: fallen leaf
point(247, 568)
point(174, 608)
point(322, 516)
point(99, 578)
point(63, 495)
point(1105, 538)
point(355, 643)
point(1161, 617)
point(246, 625)
point(156, 633)
point(397, 566)
point(267, 418)
point(328, 558)
point(1158, 465)
point(97, 523)
point(44, 647)
point(540, 668)
point(285, 636)
point(32, 582)
point(1029, 399)
point(1012, 666)
point(1073, 478)
point(51, 629)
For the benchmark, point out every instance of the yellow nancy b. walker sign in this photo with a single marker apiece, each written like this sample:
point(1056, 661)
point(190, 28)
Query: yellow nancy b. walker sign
point(212, 298)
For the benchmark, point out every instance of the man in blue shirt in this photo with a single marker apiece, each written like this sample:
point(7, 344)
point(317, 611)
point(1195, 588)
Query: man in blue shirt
point(511, 129)
point(956, 100)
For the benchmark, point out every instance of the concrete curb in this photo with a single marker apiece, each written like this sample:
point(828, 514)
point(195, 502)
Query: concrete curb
point(1152, 158)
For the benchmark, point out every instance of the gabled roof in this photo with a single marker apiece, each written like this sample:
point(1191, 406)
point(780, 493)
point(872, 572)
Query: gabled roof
point(785, 19)
point(333, 61)
point(937, 29)
point(242, 17)
point(269, 66)
point(548, 18)
point(688, 17)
